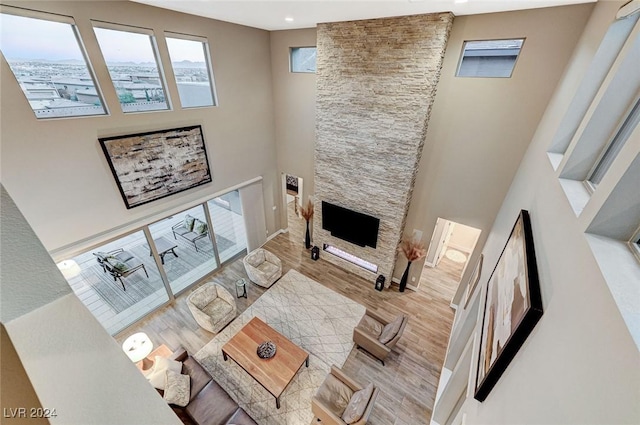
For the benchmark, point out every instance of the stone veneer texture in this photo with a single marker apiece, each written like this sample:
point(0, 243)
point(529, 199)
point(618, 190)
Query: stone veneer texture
point(376, 82)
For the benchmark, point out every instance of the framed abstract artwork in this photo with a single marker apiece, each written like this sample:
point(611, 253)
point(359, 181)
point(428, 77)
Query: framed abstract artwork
point(512, 307)
point(153, 165)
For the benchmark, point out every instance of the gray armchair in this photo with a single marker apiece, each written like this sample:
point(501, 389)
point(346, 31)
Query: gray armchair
point(340, 400)
point(263, 267)
point(212, 306)
point(378, 335)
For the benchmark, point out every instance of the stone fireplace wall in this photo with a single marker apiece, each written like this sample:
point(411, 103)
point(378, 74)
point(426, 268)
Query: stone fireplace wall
point(376, 82)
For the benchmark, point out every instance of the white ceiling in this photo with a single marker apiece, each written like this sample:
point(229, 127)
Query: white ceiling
point(270, 15)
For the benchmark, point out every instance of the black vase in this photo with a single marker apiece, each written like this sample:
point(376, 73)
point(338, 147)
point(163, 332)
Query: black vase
point(405, 276)
point(307, 238)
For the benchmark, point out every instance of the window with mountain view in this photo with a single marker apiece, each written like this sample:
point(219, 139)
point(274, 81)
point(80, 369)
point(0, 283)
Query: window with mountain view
point(192, 68)
point(47, 58)
point(132, 60)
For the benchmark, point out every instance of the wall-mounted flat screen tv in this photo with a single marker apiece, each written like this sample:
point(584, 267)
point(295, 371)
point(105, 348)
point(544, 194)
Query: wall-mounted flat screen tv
point(351, 226)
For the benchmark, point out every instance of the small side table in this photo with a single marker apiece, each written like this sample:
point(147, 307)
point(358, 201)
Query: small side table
point(241, 288)
point(146, 364)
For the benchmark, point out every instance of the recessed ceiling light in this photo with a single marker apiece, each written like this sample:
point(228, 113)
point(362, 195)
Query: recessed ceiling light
point(288, 19)
point(461, 1)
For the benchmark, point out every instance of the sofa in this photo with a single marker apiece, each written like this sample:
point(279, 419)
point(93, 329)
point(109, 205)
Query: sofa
point(209, 403)
point(262, 267)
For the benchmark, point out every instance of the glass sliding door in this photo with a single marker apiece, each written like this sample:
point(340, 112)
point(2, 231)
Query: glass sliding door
point(228, 225)
point(183, 244)
point(119, 282)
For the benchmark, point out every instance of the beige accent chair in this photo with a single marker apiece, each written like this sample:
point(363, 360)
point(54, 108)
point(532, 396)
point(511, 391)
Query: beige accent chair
point(339, 397)
point(378, 335)
point(212, 306)
point(263, 267)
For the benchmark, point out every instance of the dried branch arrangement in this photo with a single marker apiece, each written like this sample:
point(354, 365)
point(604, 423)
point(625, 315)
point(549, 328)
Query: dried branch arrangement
point(307, 211)
point(412, 249)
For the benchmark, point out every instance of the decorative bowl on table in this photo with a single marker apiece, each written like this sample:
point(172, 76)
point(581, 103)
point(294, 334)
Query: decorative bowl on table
point(266, 350)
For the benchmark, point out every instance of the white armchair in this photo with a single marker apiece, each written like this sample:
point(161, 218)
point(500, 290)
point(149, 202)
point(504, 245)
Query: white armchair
point(263, 267)
point(212, 306)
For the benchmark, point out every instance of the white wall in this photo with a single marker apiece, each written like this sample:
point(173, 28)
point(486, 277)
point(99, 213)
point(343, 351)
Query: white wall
point(580, 363)
point(55, 169)
point(463, 238)
point(73, 364)
point(294, 100)
point(480, 127)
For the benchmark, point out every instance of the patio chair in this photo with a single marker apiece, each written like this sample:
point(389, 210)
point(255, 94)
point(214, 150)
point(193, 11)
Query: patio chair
point(190, 229)
point(119, 254)
point(120, 264)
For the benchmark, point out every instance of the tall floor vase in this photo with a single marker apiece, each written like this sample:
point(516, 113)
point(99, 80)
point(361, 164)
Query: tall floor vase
point(405, 276)
point(307, 238)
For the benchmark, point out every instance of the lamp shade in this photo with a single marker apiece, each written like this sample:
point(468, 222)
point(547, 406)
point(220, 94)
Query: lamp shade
point(69, 268)
point(137, 346)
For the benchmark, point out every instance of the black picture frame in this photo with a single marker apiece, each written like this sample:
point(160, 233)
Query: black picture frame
point(515, 271)
point(156, 164)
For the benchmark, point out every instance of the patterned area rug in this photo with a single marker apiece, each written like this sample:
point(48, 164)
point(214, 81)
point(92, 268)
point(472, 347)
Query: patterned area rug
point(312, 316)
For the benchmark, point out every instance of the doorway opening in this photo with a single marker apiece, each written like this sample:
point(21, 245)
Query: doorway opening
point(292, 188)
point(448, 256)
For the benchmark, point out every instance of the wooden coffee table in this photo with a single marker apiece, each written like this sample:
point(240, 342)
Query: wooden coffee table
point(273, 374)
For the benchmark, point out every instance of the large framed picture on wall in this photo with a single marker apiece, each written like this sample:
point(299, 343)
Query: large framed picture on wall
point(512, 308)
point(153, 165)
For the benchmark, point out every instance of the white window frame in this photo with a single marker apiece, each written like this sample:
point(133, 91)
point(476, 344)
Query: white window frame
point(207, 57)
point(156, 55)
point(63, 19)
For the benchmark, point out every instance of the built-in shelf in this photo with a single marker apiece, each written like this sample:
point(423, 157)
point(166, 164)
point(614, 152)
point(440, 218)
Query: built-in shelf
point(350, 258)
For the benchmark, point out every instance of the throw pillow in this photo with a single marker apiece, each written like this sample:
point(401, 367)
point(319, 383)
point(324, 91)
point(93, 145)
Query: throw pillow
point(199, 227)
point(188, 222)
point(358, 403)
point(176, 390)
point(118, 265)
point(157, 375)
point(391, 330)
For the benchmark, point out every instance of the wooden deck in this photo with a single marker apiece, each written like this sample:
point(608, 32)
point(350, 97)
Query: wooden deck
point(407, 383)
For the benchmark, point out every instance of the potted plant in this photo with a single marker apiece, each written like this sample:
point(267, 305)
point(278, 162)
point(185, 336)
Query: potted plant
point(413, 250)
point(307, 214)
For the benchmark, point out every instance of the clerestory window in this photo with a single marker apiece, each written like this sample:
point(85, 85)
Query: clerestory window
point(612, 149)
point(131, 55)
point(47, 58)
point(489, 58)
point(303, 59)
point(191, 62)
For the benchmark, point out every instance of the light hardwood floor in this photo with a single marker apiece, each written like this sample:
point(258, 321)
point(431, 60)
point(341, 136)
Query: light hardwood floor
point(409, 379)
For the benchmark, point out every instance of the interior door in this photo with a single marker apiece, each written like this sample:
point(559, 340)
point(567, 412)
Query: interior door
point(444, 241)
